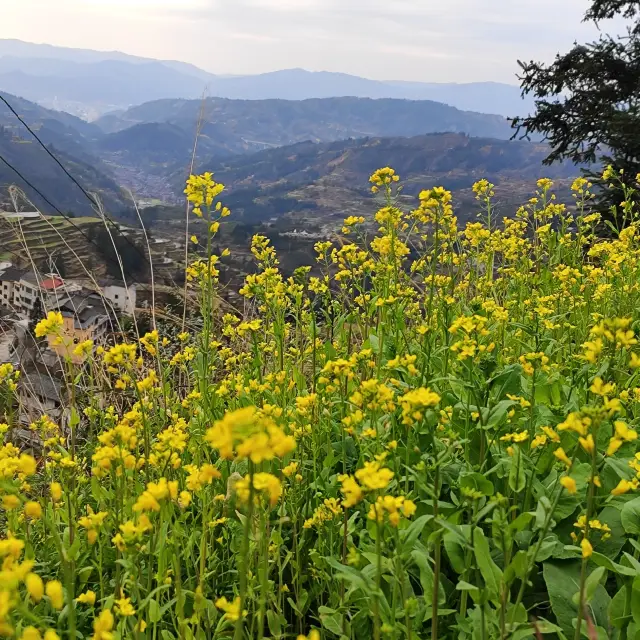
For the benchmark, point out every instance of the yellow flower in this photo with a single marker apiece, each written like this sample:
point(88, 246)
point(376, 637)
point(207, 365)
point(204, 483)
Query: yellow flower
point(544, 184)
point(290, 469)
point(50, 634)
point(551, 434)
point(50, 325)
point(592, 350)
point(10, 502)
point(562, 456)
point(88, 597)
point(194, 239)
point(415, 402)
point(521, 436)
point(587, 549)
point(35, 586)
point(614, 445)
point(622, 487)
point(383, 177)
point(30, 633)
point(33, 510)
point(55, 489)
point(103, 625)
point(373, 476)
point(351, 491)
point(600, 388)
point(569, 484)
point(83, 349)
point(231, 609)
point(623, 432)
point(265, 483)
point(124, 607)
point(587, 443)
point(244, 433)
point(539, 441)
point(576, 422)
point(55, 593)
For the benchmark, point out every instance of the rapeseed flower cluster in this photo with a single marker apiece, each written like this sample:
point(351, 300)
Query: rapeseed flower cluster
point(404, 440)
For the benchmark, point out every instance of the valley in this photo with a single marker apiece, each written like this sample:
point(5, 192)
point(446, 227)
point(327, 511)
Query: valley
point(293, 168)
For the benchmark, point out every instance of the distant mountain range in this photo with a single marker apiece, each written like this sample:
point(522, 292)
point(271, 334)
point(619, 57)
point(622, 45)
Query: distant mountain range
point(92, 83)
point(279, 158)
point(72, 140)
point(164, 131)
point(323, 183)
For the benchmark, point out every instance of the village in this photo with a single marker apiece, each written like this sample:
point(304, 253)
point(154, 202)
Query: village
point(92, 309)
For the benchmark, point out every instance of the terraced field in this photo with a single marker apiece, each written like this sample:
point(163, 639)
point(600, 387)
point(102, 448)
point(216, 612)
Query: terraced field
point(46, 240)
point(71, 246)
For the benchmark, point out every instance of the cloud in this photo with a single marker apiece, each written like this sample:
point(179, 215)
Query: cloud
point(455, 40)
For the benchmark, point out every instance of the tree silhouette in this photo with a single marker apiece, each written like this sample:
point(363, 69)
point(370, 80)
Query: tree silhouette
point(588, 100)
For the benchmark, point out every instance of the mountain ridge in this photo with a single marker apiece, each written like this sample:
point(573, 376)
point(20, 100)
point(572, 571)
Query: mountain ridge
point(180, 79)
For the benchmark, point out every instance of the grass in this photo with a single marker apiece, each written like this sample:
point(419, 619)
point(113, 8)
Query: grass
point(434, 439)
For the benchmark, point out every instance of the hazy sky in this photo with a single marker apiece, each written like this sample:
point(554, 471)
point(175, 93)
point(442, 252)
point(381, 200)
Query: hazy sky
point(424, 40)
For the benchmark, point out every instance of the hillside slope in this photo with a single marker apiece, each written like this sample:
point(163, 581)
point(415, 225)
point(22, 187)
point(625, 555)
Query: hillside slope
point(31, 160)
point(321, 183)
point(278, 122)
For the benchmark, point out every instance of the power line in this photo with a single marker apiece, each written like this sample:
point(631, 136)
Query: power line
point(44, 146)
point(89, 197)
point(67, 218)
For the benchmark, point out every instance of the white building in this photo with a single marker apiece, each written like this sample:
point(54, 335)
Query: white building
point(31, 286)
point(121, 296)
point(9, 279)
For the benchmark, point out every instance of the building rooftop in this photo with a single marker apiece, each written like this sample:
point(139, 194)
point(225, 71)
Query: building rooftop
point(51, 284)
point(19, 215)
point(42, 386)
point(114, 282)
point(11, 274)
point(85, 309)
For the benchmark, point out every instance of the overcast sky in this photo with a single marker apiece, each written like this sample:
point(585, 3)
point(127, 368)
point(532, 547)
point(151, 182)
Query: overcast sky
point(423, 40)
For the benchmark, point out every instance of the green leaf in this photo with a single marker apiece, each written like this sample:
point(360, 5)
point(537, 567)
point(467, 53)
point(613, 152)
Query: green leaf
point(562, 578)
point(590, 586)
point(592, 583)
point(508, 381)
point(474, 592)
point(274, 622)
point(635, 600)
point(612, 546)
point(331, 620)
point(520, 522)
point(476, 482)
point(517, 478)
point(517, 567)
point(603, 561)
point(542, 511)
point(154, 611)
point(351, 575)
point(630, 516)
point(540, 626)
point(491, 573)
point(498, 414)
point(617, 608)
point(421, 558)
point(409, 536)
point(453, 544)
